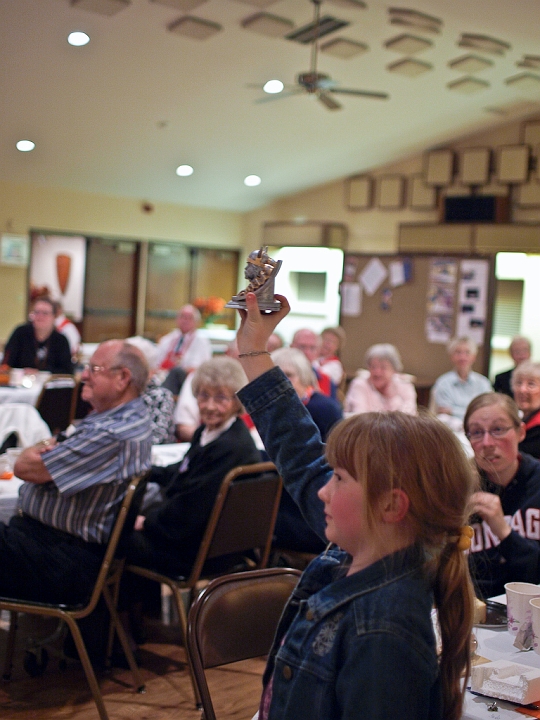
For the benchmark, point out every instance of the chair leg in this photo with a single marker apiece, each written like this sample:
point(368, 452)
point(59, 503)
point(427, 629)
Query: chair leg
point(10, 648)
point(181, 610)
point(124, 642)
point(87, 665)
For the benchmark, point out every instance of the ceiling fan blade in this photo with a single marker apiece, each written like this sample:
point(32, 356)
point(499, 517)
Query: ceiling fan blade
point(360, 93)
point(329, 102)
point(279, 96)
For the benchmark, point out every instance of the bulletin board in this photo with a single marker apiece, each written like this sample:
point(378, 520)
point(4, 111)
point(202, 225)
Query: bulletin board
point(416, 302)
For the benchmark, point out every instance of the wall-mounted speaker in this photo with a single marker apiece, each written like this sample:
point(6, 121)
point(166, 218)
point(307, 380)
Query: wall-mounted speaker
point(476, 209)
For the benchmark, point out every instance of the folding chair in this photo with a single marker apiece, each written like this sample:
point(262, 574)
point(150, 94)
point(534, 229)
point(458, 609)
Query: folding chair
point(242, 519)
point(55, 401)
point(235, 618)
point(107, 586)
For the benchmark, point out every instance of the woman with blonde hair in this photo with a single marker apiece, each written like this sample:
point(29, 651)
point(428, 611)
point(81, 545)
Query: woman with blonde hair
point(391, 492)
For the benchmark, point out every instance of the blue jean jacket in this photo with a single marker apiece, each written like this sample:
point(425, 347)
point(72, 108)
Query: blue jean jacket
point(347, 647)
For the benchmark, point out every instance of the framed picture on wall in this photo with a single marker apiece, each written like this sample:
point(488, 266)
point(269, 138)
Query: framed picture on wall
point(390, 192)
point(421, 196)
point(359, 192)
point(513, 164)
point(439, 167)
point(14, 250)
point(57, 269)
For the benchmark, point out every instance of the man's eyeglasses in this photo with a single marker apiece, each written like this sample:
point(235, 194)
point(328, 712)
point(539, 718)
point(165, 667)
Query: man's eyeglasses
point(95, 369)
point(495, 432)
point(219, 399)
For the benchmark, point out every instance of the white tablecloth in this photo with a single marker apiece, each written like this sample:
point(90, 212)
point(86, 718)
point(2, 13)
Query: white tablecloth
point(9, 493)
point(20, 394)
point(497, 645)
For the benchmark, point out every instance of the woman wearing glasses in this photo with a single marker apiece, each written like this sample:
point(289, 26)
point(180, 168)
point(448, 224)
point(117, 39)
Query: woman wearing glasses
point(506, 510)
point(37, 345)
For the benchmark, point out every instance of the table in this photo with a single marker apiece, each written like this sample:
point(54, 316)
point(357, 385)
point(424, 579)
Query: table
point(20, 394)
point(9, 495)
point(497, 644)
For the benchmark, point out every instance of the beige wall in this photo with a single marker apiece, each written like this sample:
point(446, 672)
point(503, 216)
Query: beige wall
point(25, 208)
point(375, 230)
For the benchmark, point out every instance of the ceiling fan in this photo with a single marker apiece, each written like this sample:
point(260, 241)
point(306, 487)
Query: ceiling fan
point(319, 84)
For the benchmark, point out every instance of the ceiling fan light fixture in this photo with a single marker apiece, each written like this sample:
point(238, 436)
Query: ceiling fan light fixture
point(343, 48)
point(409, 67)
point(467, 85)
point(102, 7)
point(269, 25)
point(194, 28)
point(470, 64)
point(408, 44)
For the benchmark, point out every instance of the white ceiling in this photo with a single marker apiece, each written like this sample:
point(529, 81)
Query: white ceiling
point(120, 114)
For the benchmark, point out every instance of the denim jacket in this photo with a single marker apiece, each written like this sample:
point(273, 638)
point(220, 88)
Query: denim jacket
point(347, 647)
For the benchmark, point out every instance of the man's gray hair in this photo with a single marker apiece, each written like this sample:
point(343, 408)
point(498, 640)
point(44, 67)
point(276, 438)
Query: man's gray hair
point(384, 351)
point(132, 358)
point(293, 359)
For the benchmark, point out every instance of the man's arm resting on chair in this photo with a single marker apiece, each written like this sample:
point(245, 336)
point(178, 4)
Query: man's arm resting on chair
point(30, 466)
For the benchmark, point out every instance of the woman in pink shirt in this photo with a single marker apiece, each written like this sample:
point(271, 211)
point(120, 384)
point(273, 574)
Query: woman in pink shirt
point(382, 388)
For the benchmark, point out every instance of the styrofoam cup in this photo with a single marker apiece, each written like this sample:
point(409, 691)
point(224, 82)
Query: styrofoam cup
point(535, 616)
point(518, 595)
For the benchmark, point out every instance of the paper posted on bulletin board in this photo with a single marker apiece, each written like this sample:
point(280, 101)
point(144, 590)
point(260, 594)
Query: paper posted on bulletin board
point(457, 298)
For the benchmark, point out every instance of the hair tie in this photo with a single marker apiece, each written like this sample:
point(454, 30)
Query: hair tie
point(466, 533)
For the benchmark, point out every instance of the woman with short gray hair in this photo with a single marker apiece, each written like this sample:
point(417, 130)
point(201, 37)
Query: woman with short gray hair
point(382, 388)
point(526, 388)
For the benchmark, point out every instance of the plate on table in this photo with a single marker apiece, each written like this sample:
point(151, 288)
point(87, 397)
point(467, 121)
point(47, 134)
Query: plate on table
point(495, 615)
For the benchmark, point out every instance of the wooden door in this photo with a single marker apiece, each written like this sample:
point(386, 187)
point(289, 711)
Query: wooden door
point(110, 289)
point(167, 286)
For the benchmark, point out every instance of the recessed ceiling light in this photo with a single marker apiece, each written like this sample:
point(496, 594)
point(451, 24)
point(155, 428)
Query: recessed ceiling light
point(78, 39)
point(25, 145)
point(273, 86)
point(252, 180)
point(184, 170)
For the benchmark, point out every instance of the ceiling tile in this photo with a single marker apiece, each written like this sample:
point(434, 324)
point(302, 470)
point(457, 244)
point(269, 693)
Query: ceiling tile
point(194, 28)
point(185, 5)
point(470, 63)
point(484, 43)
point(102, 7)
point(524, 81)
point(343, 48)
point(266, 24)
point(468, 85)
point(409, 67)
point(407, 44)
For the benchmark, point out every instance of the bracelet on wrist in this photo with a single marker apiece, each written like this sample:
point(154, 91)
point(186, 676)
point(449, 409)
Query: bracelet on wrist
point(253, 353)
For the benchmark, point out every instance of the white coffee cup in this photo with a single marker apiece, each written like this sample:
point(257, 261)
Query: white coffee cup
point(535, 616)
point(518, 609)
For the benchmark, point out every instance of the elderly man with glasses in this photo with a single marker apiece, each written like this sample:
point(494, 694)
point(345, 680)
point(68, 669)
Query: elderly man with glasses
point(52, 550)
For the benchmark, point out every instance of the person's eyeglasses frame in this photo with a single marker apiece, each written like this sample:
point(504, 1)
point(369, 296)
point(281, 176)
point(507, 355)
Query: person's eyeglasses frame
point(96, 369)
point(221, 400)
point(496, 433)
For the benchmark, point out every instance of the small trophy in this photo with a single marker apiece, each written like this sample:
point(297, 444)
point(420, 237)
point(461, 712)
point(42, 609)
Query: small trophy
point(261, 271)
